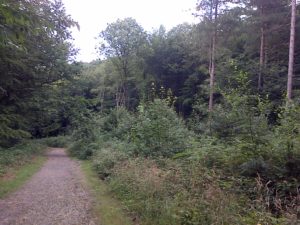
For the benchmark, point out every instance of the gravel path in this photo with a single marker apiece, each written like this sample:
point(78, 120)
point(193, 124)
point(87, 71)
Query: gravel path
point(53, 196)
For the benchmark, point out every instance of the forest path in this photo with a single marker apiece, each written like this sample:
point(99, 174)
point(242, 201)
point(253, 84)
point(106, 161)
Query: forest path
point(53, 196)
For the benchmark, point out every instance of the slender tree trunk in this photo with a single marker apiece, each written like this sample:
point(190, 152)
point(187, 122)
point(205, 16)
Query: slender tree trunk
point(291, 51)
point(211, 41)
point(122, 93)
point(213, 54)
point(212, 75)
point(125, 84)
point(101, 97)
point(210, 57)
point(262, 51)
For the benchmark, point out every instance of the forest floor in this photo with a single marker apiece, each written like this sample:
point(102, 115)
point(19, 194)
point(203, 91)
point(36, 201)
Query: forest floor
point(56, 195)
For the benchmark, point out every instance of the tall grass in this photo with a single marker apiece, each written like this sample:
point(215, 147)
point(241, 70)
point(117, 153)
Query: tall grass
point(19, 155)
point(180, 192)
point(106, 206)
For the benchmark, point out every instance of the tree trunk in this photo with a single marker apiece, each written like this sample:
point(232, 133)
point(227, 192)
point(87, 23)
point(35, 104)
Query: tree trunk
point(120, 98)
point(212, 75)
point(262, 51)
point(101, 98)
point(212, 67)
point(211, 41)
point(291, 52)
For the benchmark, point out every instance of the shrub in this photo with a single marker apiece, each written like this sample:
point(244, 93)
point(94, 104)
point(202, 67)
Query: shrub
point(158, 131)
point(117, 123)
point(82, 149)
point(19, 154)
point(105, 160)
point(202, 182)
point(56, 142)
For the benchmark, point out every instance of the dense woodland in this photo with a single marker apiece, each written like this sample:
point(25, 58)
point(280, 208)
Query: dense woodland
point(194, 125)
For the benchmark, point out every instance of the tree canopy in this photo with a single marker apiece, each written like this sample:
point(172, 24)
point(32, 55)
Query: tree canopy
point(34, 53)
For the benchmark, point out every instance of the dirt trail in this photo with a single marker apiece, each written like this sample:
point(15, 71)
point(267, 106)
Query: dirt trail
point(53, 196)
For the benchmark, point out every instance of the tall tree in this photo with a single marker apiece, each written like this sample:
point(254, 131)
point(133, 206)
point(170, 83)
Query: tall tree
point(264, 13)
point(291, 50)
point(34, 53)
point(123, 40)
point(262, 7)
point(213, 55)
point(211, 13)
point(262, 47)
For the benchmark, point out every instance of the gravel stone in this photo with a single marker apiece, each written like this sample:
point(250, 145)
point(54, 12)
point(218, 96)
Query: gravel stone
point(56, 195)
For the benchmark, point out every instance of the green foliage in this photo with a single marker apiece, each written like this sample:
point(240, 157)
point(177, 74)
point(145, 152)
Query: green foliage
point(122, 42)
point(122, 144)
point(154, 131)
point(122, 39)
point(11, 130)
point(106, 206)
point(56, 142)
point(287, 132)
point(244, 155)
point(177, 192)
point(117, 123)
point(158, 131)
point(106, 159)
point(81, 150)
point(19, 155)
point(35, 54)
point(286, 142)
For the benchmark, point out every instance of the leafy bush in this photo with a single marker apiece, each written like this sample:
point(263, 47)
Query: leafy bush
point(117, 123)
point(158, 131)
point(166, 175)
point(56, 142)
point(9, 132)
point(155, 131)
point(82, 149)
point(286, 141)
point(19, 154)
point(105, 159)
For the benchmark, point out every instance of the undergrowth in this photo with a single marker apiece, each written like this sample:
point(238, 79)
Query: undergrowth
point(166, 174)
point(56, 142)
point(106, 206)
point(19, 155)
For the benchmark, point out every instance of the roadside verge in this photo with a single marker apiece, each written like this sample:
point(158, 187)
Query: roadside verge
point(16, 177)
point(106, 207)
